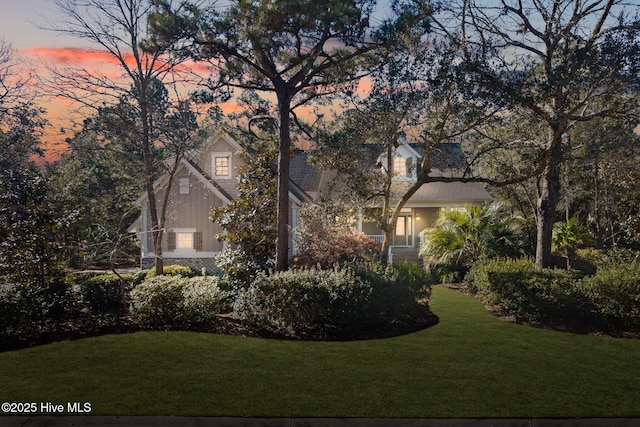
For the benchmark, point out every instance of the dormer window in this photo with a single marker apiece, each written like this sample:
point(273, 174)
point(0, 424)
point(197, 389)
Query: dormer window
point(403, 168)
point(403, 164)
point(400, 167)
point(222, 165)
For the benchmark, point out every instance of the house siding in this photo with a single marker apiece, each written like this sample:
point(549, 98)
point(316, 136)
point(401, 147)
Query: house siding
point(205, 161)
point(189, 211)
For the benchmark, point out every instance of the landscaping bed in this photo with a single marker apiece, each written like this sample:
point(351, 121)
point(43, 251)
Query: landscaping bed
point(470, 365)
point(344, 303)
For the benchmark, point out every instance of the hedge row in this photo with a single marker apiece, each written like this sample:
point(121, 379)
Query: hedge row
point(608, 301)
point(313, 303)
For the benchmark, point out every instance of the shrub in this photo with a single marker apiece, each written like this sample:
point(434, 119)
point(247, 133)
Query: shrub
point(326, 236)
point(106, 292)
point(546, 295)
point(239, 268)
point(335, 245)
point(173, 270)
point(140, 277)
point(415, 278)
point(304, 302)
point(30, 309)
point(477, 279)
point(608, 258)
point(338, 303)
point(615, 294)
point(174, 302)
point(203, 299)
point(396, 289)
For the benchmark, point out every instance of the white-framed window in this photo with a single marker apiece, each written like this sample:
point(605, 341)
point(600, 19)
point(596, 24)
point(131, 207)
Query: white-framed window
point(184, 185)
point(221, 165)
point(184, 240)
point(400, 166)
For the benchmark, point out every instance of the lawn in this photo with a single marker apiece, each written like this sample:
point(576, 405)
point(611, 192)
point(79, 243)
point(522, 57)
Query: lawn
point(469, 365)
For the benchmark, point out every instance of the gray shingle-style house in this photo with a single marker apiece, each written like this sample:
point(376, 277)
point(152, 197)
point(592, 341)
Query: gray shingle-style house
point(209, 179)
point(423, 208)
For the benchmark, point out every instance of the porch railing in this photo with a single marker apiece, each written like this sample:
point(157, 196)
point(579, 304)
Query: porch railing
point(378, 238)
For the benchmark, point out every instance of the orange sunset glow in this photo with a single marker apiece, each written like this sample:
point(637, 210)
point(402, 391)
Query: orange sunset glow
point(62, 113)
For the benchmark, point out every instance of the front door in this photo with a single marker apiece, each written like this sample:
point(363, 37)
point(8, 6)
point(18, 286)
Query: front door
point(404, 231)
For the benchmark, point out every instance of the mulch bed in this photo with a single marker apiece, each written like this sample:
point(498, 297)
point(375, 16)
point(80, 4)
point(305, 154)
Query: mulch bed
point(227, 324)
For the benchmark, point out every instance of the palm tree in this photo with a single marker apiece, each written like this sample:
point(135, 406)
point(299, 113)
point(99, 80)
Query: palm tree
point(567, 236)
point(461, 237)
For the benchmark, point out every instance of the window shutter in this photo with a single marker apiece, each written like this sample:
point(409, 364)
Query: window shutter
point(171, 238)
point(197, 240)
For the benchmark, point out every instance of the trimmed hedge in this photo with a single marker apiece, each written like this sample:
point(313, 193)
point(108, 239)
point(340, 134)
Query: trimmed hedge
point(28, 311)
point(337, 303)
point(608, 301)
point(106, 293)
point(304, 302)
point(615, 294)
point(174, 302)
point(173, 270)
point(547, 295)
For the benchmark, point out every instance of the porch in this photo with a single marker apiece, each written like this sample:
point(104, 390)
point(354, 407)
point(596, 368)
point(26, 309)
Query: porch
point(401, 253)
point(406, 240)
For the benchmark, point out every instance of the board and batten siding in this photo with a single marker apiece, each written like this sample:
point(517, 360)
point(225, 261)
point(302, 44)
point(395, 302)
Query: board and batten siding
point(190, 211)
point(205, 162)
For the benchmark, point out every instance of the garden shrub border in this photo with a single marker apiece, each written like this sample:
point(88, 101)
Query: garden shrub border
point(607, 302)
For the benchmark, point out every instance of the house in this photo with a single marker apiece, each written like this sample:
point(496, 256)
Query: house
point(209, 178)
point(423, 208)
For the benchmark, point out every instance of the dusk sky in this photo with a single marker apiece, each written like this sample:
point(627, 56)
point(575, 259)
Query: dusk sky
point(20, 22)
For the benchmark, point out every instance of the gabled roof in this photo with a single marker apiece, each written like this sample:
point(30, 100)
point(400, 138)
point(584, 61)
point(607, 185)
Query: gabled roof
point(307, 177)
point(446, 155)
point(447, 159)
point(200, 176)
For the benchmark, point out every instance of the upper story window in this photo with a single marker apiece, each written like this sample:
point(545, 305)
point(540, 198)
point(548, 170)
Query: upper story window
point(222, 165)
point(400, 166)
point(403, 168)
point(184, 185)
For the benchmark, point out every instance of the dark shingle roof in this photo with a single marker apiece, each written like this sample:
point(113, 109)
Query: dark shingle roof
point(447, 156)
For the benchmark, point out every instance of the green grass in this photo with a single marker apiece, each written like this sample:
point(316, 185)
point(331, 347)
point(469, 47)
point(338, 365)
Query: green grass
point(469, 365)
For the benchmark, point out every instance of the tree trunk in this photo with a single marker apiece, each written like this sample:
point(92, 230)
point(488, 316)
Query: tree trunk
point(386, 245)
point(148, 170)
point(284, 157)
point(598, 243)
point(547, 203)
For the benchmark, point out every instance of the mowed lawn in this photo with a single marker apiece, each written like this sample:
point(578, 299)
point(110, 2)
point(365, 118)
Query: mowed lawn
point(469, 365)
